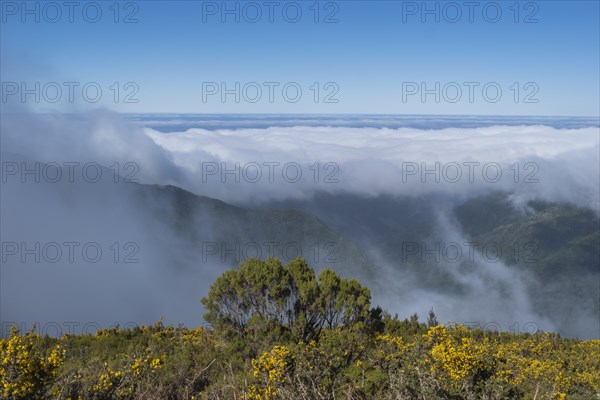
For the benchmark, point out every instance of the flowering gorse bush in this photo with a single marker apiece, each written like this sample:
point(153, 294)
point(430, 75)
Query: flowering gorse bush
point(25, 371)
point(331, 347)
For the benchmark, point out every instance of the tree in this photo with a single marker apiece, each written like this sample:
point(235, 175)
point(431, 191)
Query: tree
point(264, 292)
point(432, 319)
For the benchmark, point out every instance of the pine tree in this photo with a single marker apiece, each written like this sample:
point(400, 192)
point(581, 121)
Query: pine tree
point(432, 319)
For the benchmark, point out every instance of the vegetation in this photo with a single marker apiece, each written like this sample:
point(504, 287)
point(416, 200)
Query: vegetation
point(281, 332)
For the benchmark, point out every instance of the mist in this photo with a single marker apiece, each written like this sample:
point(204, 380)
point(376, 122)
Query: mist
point(477, 292)
point(249, 165)
point(530, 161)
point(101, 259)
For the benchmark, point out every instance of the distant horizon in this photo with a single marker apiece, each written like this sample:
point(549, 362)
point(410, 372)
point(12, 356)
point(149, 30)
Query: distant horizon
point(167, 113)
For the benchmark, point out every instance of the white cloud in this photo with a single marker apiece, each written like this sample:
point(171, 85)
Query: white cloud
point(557, 164)
point(534, 160)
point(365, 161)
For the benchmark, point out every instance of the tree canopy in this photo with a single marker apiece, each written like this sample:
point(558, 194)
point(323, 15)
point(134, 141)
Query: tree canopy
point(292, 296)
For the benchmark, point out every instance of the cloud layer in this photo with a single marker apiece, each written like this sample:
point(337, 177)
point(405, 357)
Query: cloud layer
point(253, 166)
point(261, 164)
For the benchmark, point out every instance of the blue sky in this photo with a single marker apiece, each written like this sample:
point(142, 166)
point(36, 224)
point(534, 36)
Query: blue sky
point(376, 58)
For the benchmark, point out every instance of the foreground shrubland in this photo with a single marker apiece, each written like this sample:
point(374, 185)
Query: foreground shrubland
point(281, 332)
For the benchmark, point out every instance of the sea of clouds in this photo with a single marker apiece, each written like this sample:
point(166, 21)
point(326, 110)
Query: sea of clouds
point(244, 165)
point(369, 156)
